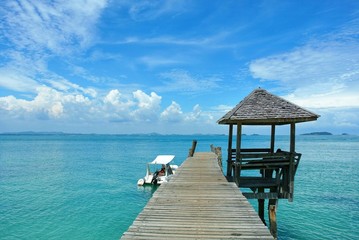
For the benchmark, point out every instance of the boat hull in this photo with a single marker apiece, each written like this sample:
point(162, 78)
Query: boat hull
point(159, 171)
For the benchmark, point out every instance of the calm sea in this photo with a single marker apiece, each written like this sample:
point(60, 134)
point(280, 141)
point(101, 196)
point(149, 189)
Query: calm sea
point(84, 186)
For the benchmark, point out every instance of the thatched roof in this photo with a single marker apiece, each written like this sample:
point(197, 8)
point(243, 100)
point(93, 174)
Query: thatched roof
point(263, 108)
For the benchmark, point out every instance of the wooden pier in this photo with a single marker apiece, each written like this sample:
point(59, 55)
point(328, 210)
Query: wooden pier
point(198, 203)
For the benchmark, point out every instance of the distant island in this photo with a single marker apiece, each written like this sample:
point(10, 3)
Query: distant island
point(318, 133)
point(113, 134)
point(33, 133)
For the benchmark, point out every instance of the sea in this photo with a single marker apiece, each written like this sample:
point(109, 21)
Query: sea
point(73, 186)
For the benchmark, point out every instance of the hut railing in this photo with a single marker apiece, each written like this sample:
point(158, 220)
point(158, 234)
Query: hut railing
point(218, 152)
point(261, 169)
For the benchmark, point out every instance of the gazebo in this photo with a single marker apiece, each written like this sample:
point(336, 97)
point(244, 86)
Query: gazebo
point(268, 173)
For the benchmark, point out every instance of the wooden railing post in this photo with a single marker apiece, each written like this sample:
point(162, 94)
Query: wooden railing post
point(219, 155)
point(218, 152)
point(193, 148)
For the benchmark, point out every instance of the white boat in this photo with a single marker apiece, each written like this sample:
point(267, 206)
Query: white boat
point(159, 170)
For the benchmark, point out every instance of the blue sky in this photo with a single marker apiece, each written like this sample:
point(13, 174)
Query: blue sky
point(176, 66)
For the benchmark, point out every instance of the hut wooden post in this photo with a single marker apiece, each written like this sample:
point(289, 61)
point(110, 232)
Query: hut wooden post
point(291, 163)
point(272, 140)
point(261, 206)
point(272, 214)
point(237, 168)
point(229, 159)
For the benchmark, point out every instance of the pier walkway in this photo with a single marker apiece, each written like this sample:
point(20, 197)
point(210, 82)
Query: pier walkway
point(198, 203)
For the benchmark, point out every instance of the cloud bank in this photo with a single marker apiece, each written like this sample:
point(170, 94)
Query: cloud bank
point(323, 73)
point(113, 107)
point(55, 27)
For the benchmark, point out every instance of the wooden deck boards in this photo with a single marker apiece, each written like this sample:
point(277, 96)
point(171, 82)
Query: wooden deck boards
point(198, 203)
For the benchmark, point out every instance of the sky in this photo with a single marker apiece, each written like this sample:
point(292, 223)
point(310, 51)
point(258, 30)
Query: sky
point(175, 66)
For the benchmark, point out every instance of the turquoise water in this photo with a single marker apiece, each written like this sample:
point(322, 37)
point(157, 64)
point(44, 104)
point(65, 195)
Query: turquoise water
point(84, 186)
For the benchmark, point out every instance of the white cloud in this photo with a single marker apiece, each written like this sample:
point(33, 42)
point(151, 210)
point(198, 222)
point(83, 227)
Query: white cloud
point(341, 98)
point(48, 102)
point(323, 73)
point(63, 109)
point(195, 115)
point(152, 61)
point(318, 62)
point(12, 104)
point(148, 106)
point(145, 101)
point(13, 80)
point(65, 85)
point(338, 121)
point(113, 97)
point(119, 102)
point(213, 41)
point(56, 110)
point(172, 113)
point(116, 107)
point(346, 118)
point(51, 103)
point(182, 81)
point(55, 26)
point(149, 10)
point(36, 31)
point(222, 108)
point(24, 62)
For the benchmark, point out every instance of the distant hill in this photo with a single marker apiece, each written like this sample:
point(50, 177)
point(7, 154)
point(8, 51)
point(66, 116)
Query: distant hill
point(318, 133)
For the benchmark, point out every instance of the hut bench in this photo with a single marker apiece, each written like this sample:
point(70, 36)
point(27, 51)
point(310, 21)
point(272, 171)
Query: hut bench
point(265, 170)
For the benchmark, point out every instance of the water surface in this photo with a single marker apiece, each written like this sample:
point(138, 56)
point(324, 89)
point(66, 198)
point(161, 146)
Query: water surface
point(84, 186)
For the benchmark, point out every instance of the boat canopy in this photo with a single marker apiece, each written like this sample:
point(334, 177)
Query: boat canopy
point(163, 159)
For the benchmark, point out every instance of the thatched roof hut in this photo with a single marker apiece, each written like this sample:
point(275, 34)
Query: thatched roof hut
point(263, 108)
point(267, 173)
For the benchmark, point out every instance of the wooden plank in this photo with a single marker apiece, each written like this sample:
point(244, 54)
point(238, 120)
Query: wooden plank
point(198, 203)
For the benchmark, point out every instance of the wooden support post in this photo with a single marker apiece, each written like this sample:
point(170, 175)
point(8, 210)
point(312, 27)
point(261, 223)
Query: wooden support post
point(291, 162)
point(193, 148)
point(272, 139)
point(261, 206)
point(229, 159)
point(292, 137)
point(237, 172)
point(272, 213)
point(261, 210)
